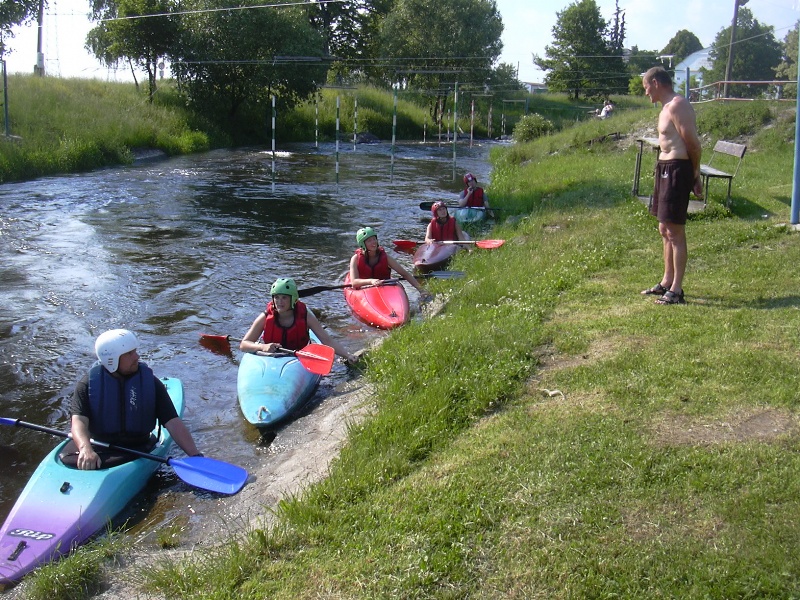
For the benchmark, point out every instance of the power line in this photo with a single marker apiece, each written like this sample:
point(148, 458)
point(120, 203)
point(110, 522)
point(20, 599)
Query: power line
point(225, 9)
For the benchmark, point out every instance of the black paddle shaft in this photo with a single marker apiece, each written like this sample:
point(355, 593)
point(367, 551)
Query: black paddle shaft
point(64, 434)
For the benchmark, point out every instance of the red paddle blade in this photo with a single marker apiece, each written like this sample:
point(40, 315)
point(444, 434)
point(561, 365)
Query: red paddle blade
point(317, 358)
point(405, 244)
point(216, 343)
point(489, 244)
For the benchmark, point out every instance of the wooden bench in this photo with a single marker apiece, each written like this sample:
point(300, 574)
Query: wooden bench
point(708, 172)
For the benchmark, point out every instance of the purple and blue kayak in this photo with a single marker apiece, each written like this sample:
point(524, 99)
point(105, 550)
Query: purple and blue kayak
point(62, 507)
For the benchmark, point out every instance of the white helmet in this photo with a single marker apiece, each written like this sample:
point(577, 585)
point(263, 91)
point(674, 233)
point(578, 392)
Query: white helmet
point(112, 344)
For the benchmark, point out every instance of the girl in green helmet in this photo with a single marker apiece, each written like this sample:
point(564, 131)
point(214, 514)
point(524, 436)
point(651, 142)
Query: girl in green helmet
point(285, 324)
point(371, 265)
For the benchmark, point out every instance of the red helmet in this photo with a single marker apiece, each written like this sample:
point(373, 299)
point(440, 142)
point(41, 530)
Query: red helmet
point(467, 178)
point(436, 206)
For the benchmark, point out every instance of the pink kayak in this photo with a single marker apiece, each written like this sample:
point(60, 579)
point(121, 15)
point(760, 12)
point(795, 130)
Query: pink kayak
point(382, 306)
point(433, 256)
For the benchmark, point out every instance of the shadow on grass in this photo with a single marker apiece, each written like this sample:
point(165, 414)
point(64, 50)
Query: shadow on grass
point(746, 209)
point(791, 301)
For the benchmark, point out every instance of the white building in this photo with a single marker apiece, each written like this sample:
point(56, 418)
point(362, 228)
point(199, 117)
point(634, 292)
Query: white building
point(535, 87)
point(694, 62)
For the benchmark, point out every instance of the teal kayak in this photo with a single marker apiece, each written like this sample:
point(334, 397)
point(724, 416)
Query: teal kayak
point(61, 507)
point(469, 215)
point(272, 388)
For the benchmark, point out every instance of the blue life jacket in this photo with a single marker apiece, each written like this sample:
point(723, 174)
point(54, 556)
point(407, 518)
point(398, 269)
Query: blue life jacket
point(121, 407)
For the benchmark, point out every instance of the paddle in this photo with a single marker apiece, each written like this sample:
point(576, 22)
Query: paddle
point(429, 205)
point(485, 244)
point(432, 275)
point(316, 358)
point(205, 473)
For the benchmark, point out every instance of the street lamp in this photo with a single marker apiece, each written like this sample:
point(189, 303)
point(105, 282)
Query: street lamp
point(736, 5)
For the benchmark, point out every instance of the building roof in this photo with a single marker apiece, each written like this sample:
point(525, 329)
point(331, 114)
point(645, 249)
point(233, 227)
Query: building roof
point(695, 61)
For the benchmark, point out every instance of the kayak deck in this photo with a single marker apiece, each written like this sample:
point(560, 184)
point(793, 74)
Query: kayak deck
point(469, 215)
point(61, 507)
point(272, 388)
point(383, 306)
point(433, 256)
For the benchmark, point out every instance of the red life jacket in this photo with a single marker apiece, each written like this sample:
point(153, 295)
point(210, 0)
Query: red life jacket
point(294, 337)
point(477, 197)
point(445, 232)
point(380, 270)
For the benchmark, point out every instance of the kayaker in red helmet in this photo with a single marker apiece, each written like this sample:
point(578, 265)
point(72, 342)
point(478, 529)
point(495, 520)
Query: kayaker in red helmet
point(472, 196)
point(285, 324)
point(370, 265)
point(118, 402)
point(443, 227)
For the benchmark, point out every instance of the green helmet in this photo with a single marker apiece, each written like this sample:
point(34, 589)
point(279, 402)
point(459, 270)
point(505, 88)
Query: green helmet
point(286, 286)
point(363, 234)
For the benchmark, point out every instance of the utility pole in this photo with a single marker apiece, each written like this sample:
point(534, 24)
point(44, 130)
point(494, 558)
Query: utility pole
point(38, 68)
point(736, 5)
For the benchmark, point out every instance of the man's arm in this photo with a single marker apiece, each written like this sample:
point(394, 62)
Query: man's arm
point(87, 457)
point(182, 437)
point(685, 122)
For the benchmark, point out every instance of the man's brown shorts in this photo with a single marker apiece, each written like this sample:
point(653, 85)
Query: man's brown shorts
point(674, 183)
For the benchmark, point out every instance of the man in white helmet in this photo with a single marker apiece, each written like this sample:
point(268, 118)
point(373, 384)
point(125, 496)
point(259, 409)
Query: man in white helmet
point(118, 402)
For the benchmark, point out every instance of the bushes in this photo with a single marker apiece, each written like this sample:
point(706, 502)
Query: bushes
point(727, 121)
point(531, 127)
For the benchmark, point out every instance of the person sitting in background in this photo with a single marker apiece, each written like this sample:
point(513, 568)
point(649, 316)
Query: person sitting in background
point(285, 324)
point(119, 402)
point(443, 227)
point(606, 111)
point(370, 265)
point(472, 196)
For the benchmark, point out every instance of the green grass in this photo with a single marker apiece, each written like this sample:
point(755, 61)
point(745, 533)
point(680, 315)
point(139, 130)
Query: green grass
point(80, 574)
point(73, 125)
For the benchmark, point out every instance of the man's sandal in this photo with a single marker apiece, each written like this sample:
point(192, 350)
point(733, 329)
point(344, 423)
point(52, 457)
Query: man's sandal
point(656, 290)
point(671, 298)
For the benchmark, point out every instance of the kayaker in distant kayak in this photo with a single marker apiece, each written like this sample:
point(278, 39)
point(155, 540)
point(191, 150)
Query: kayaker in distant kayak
point(285, 324)
point(118, 402)
point(472, 196)
point(370, 265)
point(443, 227)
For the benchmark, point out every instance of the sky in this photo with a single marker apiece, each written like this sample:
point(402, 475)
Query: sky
point(528, 30)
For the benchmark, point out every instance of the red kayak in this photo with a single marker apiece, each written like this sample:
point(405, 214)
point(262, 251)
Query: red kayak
point(433, 256)
point(382, 306)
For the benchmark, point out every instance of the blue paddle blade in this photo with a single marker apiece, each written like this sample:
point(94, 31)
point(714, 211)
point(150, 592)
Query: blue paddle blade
point(209, 474)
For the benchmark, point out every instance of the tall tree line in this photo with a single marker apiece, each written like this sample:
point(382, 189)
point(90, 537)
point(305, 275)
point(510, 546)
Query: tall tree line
point(229, 58)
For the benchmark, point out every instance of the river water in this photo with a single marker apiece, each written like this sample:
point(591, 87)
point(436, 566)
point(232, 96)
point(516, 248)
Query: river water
point(182, 246)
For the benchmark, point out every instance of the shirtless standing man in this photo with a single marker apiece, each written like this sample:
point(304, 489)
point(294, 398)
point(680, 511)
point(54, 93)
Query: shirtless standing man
point(677, 174)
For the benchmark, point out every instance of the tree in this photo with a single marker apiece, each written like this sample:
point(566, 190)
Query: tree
point(124, 33)
point(787, 69)
point(756, 55)
point(504, 77)
point(449, 41)
point(229, 61)
point(682, 45)
point(12, 13)
point(348, 26)
point(585, 56)
point(639, 61)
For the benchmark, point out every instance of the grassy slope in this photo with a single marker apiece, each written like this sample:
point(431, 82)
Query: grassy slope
point(553, 434)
